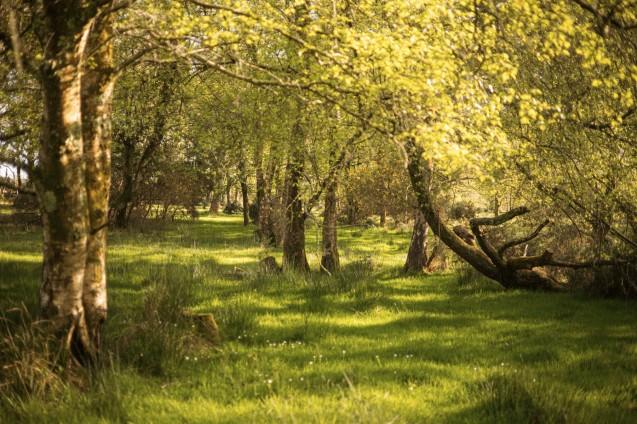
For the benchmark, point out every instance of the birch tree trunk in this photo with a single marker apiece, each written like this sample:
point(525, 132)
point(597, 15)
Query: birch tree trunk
point(97, 95)
point(73, 176)
point(330, 260)
point(61, 184)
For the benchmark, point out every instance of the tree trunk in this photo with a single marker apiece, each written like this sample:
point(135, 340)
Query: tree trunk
point(496, 205)
point(97, 95)
point(383, 217)
point(482, 258)
point(267, 235)
point(330, 259)
point(228, 188)
point(294, 242)
point(245, 202)
point(122, 203)
point(260, 188)
point(417, 255)
point(214, 203)
point(70, 196)
point(437, 260)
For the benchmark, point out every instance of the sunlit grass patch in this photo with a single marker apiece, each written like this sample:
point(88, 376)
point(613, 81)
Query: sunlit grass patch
point(367, 344)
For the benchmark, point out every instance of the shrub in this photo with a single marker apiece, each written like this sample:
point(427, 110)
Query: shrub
point(233, 208)
point(463, 209)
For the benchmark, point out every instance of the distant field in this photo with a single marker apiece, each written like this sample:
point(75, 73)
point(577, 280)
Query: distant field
point(368, 345)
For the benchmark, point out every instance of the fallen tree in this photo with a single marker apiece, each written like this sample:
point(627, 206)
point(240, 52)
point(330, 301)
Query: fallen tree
point(525, 272)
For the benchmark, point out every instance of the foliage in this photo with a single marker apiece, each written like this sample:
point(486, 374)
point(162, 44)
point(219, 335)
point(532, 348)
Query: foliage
point(233, 208)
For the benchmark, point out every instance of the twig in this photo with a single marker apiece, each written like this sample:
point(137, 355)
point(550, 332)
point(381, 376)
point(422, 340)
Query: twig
point(530, 237)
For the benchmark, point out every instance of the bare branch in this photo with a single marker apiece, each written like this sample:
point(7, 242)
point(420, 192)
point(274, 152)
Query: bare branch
point(486, 246)
point(576, 205)
point(133, 59)
point(114, 6)
point(530, 237)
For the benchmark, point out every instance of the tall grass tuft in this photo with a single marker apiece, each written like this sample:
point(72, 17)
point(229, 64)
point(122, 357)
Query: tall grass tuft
point(355, 275)
point(160, 331)
point(31, 363)
point(506, 397)
point(238, 318)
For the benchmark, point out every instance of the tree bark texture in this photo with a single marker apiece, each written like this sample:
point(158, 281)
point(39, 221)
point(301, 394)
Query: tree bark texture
point(330, 260)
point(417, 255)
point(97, 95)
point(267, 234)
point(72, 179)
point(245, 202)
point(73, 175)
point(294, 256)
point(214, 204)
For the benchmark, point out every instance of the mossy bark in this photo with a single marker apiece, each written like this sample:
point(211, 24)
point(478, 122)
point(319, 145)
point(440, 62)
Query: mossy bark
point(481, 257)
point(330, 259)
point(73, 175)
point(97, 95)
point(294, 256)
point(417, 255)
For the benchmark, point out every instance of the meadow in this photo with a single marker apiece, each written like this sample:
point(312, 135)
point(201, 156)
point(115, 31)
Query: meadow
point(367, 345)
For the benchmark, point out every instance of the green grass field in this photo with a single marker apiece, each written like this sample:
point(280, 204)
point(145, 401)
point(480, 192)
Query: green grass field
point(369, 345)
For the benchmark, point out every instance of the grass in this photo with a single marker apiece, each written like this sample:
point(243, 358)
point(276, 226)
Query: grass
point(368, 345)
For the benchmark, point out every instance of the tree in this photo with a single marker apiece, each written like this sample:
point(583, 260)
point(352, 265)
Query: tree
point(75, 72)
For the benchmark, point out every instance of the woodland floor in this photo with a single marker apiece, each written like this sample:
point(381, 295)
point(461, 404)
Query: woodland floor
point(369, 345)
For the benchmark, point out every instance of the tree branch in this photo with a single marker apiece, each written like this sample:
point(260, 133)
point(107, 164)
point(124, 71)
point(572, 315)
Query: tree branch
point(486, 246)
point(590, 217)
point(529, 262)
point(16, 133)
point(500, 219)
point(589, 264)
point(114, 6)
point(19, 189)
point(530, 237)
point(133, 59)
point(605, 18)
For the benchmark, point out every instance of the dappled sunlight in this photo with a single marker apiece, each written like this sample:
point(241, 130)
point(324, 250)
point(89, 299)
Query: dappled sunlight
point(369, 341)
